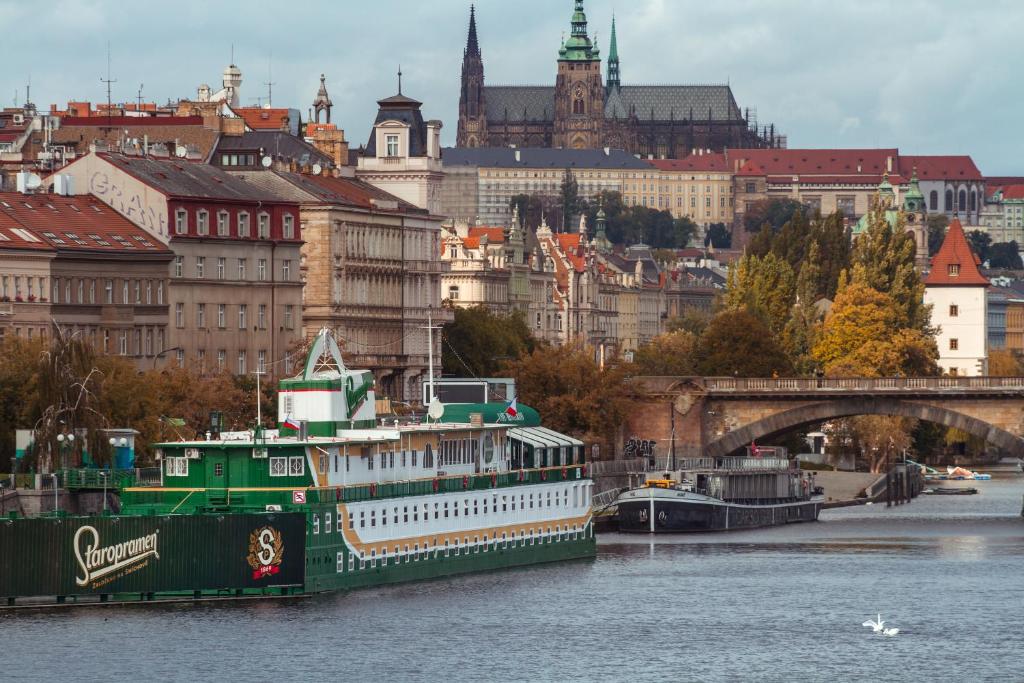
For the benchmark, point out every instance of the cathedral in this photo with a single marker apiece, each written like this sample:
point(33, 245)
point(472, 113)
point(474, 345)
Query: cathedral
point(585, 110)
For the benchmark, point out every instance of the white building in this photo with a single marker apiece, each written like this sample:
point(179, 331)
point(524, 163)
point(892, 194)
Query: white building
point(955, 289)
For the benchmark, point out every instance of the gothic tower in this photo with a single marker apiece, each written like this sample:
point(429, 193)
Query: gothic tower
point(322, 101)
point(579, 90)
point(472, 130)
point(913, 207)
point(613, 60)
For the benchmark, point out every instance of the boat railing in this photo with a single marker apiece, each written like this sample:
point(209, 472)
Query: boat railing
point(737, 463)
point(98, 478)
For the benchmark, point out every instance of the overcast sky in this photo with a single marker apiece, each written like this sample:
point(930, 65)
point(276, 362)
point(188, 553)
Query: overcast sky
point(939, 77)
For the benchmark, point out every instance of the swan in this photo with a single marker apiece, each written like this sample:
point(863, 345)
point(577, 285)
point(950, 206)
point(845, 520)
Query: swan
point(890, 631)
point(876, 626)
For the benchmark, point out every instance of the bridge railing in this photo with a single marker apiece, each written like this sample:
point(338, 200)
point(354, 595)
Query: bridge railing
point(895, 384)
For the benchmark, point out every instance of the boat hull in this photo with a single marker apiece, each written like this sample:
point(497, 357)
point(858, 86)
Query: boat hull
point(667, 511)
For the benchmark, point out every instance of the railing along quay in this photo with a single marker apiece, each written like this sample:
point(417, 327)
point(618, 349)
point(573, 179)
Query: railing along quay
point(884, 385)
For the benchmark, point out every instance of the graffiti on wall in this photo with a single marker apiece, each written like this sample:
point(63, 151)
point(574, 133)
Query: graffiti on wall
point(639, 448)
point(128, 203)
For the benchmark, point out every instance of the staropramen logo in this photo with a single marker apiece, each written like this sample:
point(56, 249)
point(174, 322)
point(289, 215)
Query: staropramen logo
point(99, 564)
point(266, 550)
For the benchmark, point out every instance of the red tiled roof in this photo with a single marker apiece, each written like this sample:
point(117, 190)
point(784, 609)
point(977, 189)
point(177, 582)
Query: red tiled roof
point(811, 162)
point(77, 222)
point(470, 242)
point(852, 179)
point(1013, 191)
point(261, 118)
point(494, 234)
point(348, 190)
point(568, 241)
point(940, 167)
point(955, 255)
point(694, 162)
point(122, 121)
point(13, 234)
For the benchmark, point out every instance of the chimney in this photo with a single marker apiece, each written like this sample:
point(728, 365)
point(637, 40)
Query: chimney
point(888, 164)
point(518, 156)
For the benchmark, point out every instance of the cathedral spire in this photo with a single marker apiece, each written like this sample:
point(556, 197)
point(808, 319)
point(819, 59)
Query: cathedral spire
point(472, 46)
point(613, 60)
point(578, 48)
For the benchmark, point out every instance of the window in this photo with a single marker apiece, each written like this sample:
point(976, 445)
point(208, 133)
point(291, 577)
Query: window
point(179, 265)
point(181, 221)
point(160, 292)
point(243, 224)
point(124, 292)
point(962, 203)
point(340, 560)
point(261, 362)
point(954, 344)
point(241, 269)
point(222, 223)
point(241, 362)
point(933, 201)
point(149, 292)
point(261, 316)
point(954, 310)
point(222, 357)
point(176, 467)
point(200, 316)
point(288, 324)
point(751, 188)
point(264, 226)
point(316, 523)
point(123, 344)
point(453, 292)
point(278, 467)
point(179, 315)
point(288, 226)
point(222, 316)
point(286, 270)
point(391, 145)
point(949, 201)
point(202, 222)
point(221, 267)
point(200, 266)
point(953, 269)
point(261, 269)
point(241, 316)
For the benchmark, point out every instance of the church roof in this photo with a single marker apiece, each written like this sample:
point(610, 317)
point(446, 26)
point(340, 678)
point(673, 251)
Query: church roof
point(941, 167)
point(407, 110)
point(537, 102)
point(955, 264)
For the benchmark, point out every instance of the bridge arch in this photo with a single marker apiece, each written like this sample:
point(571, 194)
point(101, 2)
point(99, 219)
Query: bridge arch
point(823, 411)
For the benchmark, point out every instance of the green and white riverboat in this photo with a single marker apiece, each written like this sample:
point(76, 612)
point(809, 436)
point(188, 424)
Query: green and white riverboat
point(331, 500)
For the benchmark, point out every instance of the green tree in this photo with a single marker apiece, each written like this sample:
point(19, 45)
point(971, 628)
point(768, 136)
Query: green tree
point(19, 406)
point(774, 212)
point(692, 320)
point(738, 343)
point(668, 354)
point(980, 242)
point(718, 236)
point(478, 341)
point(833, 240)
point(765, 285)
point(799, 334)
point(569, 196)
point(1005, 255)
point(937, 224)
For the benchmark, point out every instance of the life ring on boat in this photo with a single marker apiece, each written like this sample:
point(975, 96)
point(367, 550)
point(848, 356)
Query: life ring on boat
point(373, 490)
point(565, 473)
point(465, 481)
point(436, 484)
point(543, 475)
point(494, 479)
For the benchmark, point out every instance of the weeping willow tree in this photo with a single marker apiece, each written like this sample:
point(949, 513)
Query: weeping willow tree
point(69, 386)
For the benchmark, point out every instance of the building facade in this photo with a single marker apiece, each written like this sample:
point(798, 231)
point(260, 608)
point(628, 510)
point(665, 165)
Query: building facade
point(956, 291)
point(235, 292)
point(371, 271)
point(698, 187)
point(75, 263)
point(586, 110)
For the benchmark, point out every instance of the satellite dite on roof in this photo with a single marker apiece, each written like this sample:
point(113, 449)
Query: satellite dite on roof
point(180, 151)
point(317, 169)
point(266, 162)
point(27, 182)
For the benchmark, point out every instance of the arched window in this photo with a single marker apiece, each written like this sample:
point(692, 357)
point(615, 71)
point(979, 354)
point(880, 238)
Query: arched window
point(974, 200)
point(933, 201)
point(962, 204)
point(577, 106)
point(949, 200)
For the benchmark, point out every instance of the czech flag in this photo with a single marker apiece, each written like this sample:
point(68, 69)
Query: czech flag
point(512, 408)
point(291, 424)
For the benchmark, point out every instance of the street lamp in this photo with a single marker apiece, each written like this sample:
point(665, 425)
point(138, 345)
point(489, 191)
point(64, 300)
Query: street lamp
point(65, 442)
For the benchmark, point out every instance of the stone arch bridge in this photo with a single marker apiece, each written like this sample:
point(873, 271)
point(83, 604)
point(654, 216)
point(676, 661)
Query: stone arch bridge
point(716, 416)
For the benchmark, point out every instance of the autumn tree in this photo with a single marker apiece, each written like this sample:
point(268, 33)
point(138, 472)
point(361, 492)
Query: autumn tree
point(739, 343)
point(671, 353)
point(571, 391)
point(833, 240)
point(478, 341)
point(1004, 363)
point(800, 332)
point(19, 406)
point(569, 200)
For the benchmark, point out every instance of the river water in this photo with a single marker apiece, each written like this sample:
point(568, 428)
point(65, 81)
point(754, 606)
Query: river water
point(783, 604)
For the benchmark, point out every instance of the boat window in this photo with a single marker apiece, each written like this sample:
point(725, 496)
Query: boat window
point(341, 562)
point(415, 513)
point(351, 562)
point(278, 467)
point(476, 506)
point(504, 503)
point(485, 543)
point(446, 509)
point(373, 518)
point(297, 466)
point(316, 524)
point(435, 510)
point(426, 512)
point(327, 522)
point(446, 551)
point(350, 521)
point(416, 553)
point(414, 458)
point(362, 519)
point(396, 515)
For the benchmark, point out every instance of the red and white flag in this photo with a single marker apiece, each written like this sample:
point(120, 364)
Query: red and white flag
point(512, 408)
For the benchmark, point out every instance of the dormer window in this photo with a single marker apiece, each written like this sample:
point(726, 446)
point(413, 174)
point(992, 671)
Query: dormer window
point(953, 269)
point(391, 145)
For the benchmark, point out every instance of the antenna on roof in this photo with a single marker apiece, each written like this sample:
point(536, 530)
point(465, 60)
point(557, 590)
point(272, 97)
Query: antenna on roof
point(399, 79)
point(270, 80)
point(140, 96)
point(108, 80)
point(232, 53)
